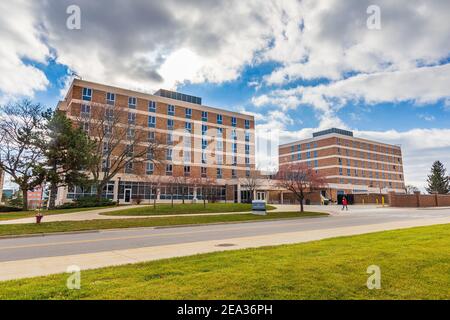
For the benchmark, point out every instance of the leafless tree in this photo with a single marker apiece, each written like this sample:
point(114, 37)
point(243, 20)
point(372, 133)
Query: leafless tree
point(300, 180)
point(120, 144)
point(252, 182)
point(410, 189)
point(21, 126)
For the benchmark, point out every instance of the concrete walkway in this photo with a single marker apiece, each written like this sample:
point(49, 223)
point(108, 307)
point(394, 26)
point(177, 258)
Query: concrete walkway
point(98, 214)
point(289, 232)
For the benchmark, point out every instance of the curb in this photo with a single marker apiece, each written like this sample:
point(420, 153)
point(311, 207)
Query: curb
point(35, 235)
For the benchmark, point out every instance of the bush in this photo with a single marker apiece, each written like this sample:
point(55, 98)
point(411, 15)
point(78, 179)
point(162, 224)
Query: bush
point(87, 202)
point(9, 209)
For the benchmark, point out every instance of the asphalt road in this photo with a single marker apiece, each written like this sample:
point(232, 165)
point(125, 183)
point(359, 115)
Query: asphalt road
point(16, 249)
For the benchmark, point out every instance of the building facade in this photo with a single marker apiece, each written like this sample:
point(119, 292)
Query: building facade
point(351, 165)
point(198, 142)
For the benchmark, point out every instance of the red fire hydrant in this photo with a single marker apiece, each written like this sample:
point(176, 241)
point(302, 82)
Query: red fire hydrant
point(38, 217)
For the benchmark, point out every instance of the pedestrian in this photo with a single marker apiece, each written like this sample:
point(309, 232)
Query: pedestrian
point(344, 203)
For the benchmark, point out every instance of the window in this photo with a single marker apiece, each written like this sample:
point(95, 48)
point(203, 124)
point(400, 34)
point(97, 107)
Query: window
point(171, 110)
point(299, 156)
point(340, 171)
point(87, 94)
point(131, 118)
point(233, 173)
point(187, 156)
point(308, 146)
point(247, 136)
point(105, 165)
point(204, 116)
point(292, 149)
point(151, 106)
point(234, 147)
point(150, 168)
point(233, 134)
point(299, 147)
point(247, 173)
point(151, 121)
point(308, 155)
point(348, 172)
point(188, 127)
point(109, 114)
point(204, 161)
point(247, 124)
point(85, 127)
point(132, 102)
point(340, 161)
point(108, 130)
point(188, 113)
point(204, 143)
point(110, 98)
point(315, 144)
point(130, 133)
point(234, 160)
point(219, 119)
point(187, 171)
point(247, 149)
point(247, 161)
point(169, 154)
point(169, 139)
point(168, 169)
point(315, 154)
point(316, 163)
point(170, 124)
point(149, 154)
point(233, 121)
point(292, 157)
point(129, 150)
point(203, 172)
point(129, 167)
point(85, 110)
point(219, 145)
point(219, 173)
point(220, 132)
point(204, 129)
point(219, 158)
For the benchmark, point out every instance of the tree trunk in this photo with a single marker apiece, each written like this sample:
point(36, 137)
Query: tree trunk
point(25, 199)
point(154, 198)
point(52, 199)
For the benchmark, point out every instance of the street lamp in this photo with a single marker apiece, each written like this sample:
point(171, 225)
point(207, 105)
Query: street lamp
point(118, 190)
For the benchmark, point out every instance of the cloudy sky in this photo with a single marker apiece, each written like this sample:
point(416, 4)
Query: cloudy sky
point(297, 65)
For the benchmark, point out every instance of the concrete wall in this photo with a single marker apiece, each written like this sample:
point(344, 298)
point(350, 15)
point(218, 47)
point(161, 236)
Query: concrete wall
point(418, 200)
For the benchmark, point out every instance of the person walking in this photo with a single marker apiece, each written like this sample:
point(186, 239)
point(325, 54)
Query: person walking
point(344, 203)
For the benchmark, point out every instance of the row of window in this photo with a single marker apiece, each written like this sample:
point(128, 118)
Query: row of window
point(111, 97)
point(373, 184)
point(371, 174)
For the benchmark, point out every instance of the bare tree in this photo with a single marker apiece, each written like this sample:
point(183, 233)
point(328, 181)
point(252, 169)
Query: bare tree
point(119, 144)
point(21, 126)
point(300, 180)
point(410, 189)
point(252, 181)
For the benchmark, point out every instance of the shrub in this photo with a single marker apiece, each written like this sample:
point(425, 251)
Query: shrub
point(87, 202)
point(9, 209)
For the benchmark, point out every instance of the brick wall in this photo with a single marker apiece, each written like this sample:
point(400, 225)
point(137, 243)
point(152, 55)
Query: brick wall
point(419, 200)
point(370, 198)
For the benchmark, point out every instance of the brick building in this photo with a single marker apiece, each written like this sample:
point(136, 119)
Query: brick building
point(351, 165)
point(199, 142)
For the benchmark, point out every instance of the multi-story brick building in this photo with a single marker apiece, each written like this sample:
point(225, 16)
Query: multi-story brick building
point(351, 165)
point(199, 142)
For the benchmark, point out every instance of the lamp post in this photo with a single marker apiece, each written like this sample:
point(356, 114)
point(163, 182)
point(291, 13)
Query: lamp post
point(118, 190)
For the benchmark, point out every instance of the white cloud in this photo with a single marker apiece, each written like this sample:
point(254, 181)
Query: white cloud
point(20, 39)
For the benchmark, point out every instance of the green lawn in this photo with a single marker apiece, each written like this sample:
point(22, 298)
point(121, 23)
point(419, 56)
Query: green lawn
point(66, 226)
point(164, 209)
point(415, 264)
point(32, 213)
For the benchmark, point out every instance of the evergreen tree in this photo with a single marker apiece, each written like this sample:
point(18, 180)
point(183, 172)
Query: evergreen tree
point(438, 181)
point(67, 150)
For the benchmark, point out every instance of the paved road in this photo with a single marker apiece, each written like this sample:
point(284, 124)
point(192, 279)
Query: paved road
point(94, 242)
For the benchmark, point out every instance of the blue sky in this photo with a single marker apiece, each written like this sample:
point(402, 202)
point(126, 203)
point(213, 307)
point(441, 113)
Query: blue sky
point(297, 66)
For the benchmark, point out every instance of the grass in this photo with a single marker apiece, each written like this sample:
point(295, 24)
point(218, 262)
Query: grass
point(66, 226)
point(415, 264)
point(166, 209)
point(31, 213)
